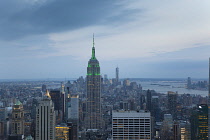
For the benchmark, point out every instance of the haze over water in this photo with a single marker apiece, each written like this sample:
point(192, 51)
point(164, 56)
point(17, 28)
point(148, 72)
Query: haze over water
point(165, 85)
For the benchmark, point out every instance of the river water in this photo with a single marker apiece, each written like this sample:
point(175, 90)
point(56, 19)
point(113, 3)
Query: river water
point(163, 86)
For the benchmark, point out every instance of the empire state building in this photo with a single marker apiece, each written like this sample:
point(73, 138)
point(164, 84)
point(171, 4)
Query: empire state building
point(93, 113)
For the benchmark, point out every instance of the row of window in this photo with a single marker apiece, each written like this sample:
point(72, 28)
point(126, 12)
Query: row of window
point(130, 129)
point(132, 133)
point(130, 120)
point(131, 123)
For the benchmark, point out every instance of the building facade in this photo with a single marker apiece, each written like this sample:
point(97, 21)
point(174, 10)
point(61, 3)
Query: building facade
point(149, 100)
point(117, 75)
point(189, 83)
point(209, 104)
point(17, 120)
point(172, 103)
point(74, 109)
point(45, 119)
point(58, 97)
point(202, 122)
point(62, 132)
point(131, 125)
point(93, 118)
point(185, 130)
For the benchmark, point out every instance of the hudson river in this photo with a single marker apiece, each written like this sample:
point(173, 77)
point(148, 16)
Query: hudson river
point(165, 85)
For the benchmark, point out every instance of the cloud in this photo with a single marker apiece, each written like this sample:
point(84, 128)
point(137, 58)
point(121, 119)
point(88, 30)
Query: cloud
point(43, 17)
point(138, 29)
point(156, 29)
point(126, 32)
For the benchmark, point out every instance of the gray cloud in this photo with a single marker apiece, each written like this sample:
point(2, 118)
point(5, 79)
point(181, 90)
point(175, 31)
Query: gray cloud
point(56, 16)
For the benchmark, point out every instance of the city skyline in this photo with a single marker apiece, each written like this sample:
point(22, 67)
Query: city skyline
point(144, 39)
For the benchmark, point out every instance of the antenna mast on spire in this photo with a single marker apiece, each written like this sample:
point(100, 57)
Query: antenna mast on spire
point(93, 40)
point(93, 49)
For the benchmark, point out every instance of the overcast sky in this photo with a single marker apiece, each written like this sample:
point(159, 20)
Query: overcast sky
point(144, 38)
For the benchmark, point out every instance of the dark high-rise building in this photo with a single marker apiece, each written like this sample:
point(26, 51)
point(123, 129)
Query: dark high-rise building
point(209, 104)
point(194, 124)
point(93, 118)
point(2, 130)
point(142, 102)
point(73, 130)
point(155, 109)
point(176, 131)
point(58, 98)
point(44, 88)
point(203, 122)
point(199, 122)
point(172, 103)
point(149, 100)
point(189, 84)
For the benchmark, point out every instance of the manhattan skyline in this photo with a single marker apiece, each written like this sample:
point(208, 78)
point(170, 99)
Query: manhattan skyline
point(53, 39)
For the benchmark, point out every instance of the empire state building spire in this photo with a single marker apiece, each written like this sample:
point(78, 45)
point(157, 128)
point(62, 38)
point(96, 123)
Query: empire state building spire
point(93, 49)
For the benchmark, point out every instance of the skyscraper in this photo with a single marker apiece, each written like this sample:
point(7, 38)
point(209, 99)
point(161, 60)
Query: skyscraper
point(63, 105)
point(17, 120)
point(74, 109)
point(149, 100)
point(117, 75)
point(58, 98)
point(45, 119)
point(131, 125)
point(1, 130)
point(202, 122)
point(189, 84)
point(209, 105)
point(93, 113)
point(62, 132)
point(172, 103)
point(44, 88)
point(199, 122)
point(155, 109)
point(185, 130)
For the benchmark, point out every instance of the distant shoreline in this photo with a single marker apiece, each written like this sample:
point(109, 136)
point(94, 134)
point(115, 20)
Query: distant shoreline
point(121, 79)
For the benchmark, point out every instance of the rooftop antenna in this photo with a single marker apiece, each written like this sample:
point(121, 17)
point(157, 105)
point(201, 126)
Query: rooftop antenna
point(93, 40)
